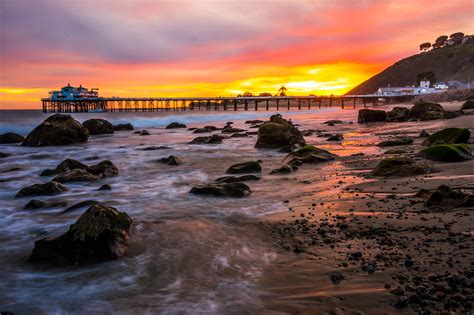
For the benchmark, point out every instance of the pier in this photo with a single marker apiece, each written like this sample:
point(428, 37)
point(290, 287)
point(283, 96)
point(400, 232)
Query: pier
point(116, 104)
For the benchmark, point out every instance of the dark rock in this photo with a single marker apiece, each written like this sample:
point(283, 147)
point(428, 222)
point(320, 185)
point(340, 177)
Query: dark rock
point(371, 115)
point(447, 153)
point(3, 155)
point(11, 137)
point(235, 179)
point(100, 234)
point(395, 142)
point(444, 196)
point(59, 129)
point(175, 125)
point(468, 105)
point(79, 205)
point(50, 188)
point(453, 114)
point(338, 137)
point(205, 129)
point(278, 133)
point(171, 160)
point(332, 122)
point(399, 166)
point(103, 169)
point(449, 136)
point(398, 114)
point(432, 115)
point(122, 127)
point(253, 122)
point(246, 167)
point(105, 187)
point(427, 111)
point(98, 126)
point(65, 166)
point(35, 204)
point(76, 175)
point(214, 139)
point(285, 169)
point(229, 129)
point(309, 154)
point(395, 151)
point(336, 277)
point(144, 133)
point(222, 189)
point(154, 148)
point(424, 134)
point(239, 135)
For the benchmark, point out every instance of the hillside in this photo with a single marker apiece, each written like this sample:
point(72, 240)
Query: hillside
point(448, 63)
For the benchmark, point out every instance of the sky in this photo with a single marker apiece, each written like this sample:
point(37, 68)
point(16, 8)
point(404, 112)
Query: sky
point(145, 48)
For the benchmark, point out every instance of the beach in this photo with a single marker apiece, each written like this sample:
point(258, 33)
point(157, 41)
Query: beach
point(274, 252)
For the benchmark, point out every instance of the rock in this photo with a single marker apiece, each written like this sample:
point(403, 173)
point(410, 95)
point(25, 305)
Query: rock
point(424, 134)
point(427, 111)
point(336, 277)
point(395, 151)
point(105, 187)
point(100, 234)
point(445, 197)
point(332, 122)
point(79, 205)
point(34, 204)
point(399, 166)
point(254, 122)
point(449, 136)
point(3, 155)
point(371, 115)
point(308, 154)
point(278, 133)
point(214, 139)
point(239, 135)
point(58, 129)
point(338, 137)
point(447, 153)
point(468, 105)
point(398, 114)
point(235, 179)
point(229, 129)
point(285, 169)
point(175, 125)
point(246, 167)
point(453, 114)
point(222, 189)
point(76, 175)
point(154, 148)
point(122, 127)
point(11, 137)
point(205, 129)
point(144, 133)
point(97, 126)
point(103, 169)
point(50, 188)
point(171, 160)
point(65, 166)
point(395, 142)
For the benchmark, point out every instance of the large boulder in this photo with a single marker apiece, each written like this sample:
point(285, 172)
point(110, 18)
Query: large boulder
point(427, 111)
point(399, 166)
point(103, 169)
point(121, 127)
point(76, 175)
point(97, 126)
point(232, 189)
point(59, 129)
point(278, 133)
point(395, 142)
point(371, 115)
point(246, 167)
point(447, 153)
point(100, 234)
point(214, 139)
point(448, 135)
point(446, 197)
point(63, 167)
point(51, 188)
point(308, 154)
point(398, 114)
point(11, 137)
point(175, 125)
point(468, 105)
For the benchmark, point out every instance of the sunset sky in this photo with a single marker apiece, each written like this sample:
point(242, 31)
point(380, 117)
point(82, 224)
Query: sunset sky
point(210, 48)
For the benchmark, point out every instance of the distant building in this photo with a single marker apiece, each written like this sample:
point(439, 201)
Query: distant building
point(74, 93)
point(424, 88)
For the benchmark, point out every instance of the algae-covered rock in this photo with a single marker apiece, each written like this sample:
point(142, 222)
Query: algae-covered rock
point(447, 152)
point(395, 142)
point(449, 136)
point(246, 167)
point(309, 154)
point(398, 114)
point(278, 133)
point(233, 189)
point(100, 234)
point(444, 196)
point(10, 137)
point(427, 111)
point(97, 126)
point(59, 129)
point(399, 166)
point(395, 151)
point(371, 115)
point(51, 188)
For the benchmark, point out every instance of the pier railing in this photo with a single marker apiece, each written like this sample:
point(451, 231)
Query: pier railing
point(116, 104)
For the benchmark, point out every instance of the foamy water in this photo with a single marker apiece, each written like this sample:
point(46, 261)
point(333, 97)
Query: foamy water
point(188, 254)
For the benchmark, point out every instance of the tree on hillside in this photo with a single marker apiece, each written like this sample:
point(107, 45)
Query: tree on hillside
point(425, 46)
point(456, 38)
point(265, 94)
point(440, 41)
point(282, 91)
point(248, 94)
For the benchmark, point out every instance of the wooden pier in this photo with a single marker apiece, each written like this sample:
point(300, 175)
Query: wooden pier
point(115, 104)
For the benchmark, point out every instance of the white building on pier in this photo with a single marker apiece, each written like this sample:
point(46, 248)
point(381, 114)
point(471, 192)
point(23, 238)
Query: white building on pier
point(69, 93)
